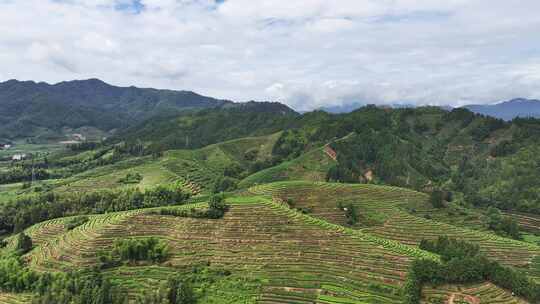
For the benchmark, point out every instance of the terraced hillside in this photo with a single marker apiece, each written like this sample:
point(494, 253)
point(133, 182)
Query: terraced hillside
point(11, 298)
point(197, 169)
point(312, 165)
point(528, 222)
point(382, 211)
point(297, 258)
point(278, 254)
point(485, 293)
point(200, 168)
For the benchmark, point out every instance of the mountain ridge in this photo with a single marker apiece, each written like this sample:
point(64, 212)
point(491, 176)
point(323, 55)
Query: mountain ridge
point(42, 110)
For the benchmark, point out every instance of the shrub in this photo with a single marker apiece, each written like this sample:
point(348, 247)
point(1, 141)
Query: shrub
point(131, 178)
point(217, 207)
point(351, 212)
point(224, 184)
point(141, 249)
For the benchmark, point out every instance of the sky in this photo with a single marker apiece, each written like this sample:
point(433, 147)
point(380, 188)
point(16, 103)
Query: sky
point(304, 53)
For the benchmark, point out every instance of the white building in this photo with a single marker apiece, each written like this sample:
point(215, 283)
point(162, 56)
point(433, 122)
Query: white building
point(18, 157)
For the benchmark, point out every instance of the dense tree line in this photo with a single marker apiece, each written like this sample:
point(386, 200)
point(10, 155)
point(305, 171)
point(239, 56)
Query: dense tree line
point(216, 210)
point(82, 287)
point(141, 249)
point(19, 174)
point(84, 146)
point(23, 212)
point(502, 225)
point(224, 184)
point(180, 287)
point(149, 249)
point(512, 183)
point(462, 262)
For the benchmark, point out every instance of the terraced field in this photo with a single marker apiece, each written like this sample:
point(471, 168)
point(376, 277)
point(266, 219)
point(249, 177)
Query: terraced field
point(10, 298)
point(279, 254)
point(383, 208)
point(485, 293)
point(199, 169)
point(409, 229)
point(528, 222)
point(375, 203)
point(107, 177)
point(299, 259)
point(311, 166)
point(193, 169)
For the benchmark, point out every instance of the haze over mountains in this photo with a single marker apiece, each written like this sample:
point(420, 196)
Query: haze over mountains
point(507, 110)
point(519, 107)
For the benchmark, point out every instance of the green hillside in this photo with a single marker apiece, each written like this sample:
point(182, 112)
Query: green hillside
point(257, 204)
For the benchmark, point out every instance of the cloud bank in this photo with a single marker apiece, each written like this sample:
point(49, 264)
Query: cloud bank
point(306, 54)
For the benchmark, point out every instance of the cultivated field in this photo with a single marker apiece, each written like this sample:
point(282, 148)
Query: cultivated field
point(295, 257)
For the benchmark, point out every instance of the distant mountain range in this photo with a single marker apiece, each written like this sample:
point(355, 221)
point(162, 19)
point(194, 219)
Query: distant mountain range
point(45, 111)
point(509, 110)
point(349, 107)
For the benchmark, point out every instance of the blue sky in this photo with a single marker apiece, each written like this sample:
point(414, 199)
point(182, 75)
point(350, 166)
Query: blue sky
point(134, 6)
point(306, 54)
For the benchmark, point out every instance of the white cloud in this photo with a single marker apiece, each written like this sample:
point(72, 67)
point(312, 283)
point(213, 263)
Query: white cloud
point(304, 53)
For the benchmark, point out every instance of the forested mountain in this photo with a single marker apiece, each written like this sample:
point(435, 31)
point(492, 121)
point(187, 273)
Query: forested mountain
point(198, 129)
point(487, 160)
point(30, 109)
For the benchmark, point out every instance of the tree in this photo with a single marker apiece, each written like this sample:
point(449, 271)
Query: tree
point(437, 198)
point(24, 243)
point(502, 225)
point(217, 207)
point(180, 291)
point(224, 183)
point(350, 212)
